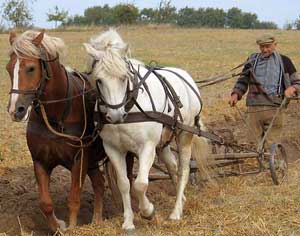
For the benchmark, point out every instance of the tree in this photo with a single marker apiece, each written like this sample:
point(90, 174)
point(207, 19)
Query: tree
point(214, 18)
point(148, 15)
point(58, 16)
point(126, 13)
point(266, 25)
point(249, 21)
point(17, 12)
point(166, 12)
point(234, 18)
point(99, 15)
point(288, 25)
point(76, 20)
point(297, 23)
point(188, 17)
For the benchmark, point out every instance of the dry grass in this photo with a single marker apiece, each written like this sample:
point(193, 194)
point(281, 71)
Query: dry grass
point(237, 206)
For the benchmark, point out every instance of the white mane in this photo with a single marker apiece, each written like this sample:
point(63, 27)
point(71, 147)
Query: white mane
point(111, 51)
point(23, 45)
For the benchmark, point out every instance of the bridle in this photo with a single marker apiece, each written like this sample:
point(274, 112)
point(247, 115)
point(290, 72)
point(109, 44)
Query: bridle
point(42, 83)
point(130, 94)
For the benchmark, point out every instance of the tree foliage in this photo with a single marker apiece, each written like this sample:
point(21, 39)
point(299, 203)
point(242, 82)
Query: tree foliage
point(125, 13)
point(147, 15)
point(58, 15)
point(167, 13)
point(17, 12)
point(297, 23)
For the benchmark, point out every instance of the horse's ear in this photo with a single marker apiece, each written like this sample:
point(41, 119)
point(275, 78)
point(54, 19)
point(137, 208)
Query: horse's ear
point(38, 39)
point(93, 52)
point(12, 37)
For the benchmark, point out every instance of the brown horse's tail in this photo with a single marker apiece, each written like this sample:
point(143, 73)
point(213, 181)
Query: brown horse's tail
point(201, 152)
point(112, 180)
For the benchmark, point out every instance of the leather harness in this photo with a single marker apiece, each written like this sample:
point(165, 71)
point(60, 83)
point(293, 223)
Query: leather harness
point(39, 91)
point(130, 99)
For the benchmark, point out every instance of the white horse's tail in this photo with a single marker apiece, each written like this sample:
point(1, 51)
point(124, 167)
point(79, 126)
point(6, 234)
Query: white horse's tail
point(201, 152)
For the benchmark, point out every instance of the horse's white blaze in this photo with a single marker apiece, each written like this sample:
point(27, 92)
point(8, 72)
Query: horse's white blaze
point(14, 96)
point(27, 114)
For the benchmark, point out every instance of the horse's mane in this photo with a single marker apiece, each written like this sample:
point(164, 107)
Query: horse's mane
point(114, 51)
point(23, 45)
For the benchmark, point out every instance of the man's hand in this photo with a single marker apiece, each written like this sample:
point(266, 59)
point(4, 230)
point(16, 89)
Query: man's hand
point(233, 100)
point(290, 91)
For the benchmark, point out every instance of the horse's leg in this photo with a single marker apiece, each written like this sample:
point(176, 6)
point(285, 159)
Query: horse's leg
point(167, 156)
point(146, 159)
point(184, 146)
point(79, 169)
point(119, 162)
point(129, 164)
point(46, 204)
point(97, 180)
point(169, 159)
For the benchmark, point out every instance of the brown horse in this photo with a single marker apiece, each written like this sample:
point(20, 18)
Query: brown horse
point(52, 98)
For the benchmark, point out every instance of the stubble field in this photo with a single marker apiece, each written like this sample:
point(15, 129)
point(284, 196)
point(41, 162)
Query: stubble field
point(234, 206)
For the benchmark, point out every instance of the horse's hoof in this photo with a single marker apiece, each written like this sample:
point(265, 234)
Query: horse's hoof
point(174, 216)
point(62, 225)
point(150, 217)
point(129, 232)
point(59, 232)
point(97, 220)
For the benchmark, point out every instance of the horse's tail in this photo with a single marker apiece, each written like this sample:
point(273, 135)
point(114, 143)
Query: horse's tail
point(112, 180)
point(201, 152)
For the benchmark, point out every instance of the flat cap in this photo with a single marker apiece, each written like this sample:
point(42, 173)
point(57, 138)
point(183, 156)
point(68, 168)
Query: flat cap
point(265, 39)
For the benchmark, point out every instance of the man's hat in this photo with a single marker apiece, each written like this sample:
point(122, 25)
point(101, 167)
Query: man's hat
point(265, 39)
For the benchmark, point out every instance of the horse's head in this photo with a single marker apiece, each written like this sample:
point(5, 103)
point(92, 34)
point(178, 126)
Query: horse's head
point(110, 71)
point(26, 67)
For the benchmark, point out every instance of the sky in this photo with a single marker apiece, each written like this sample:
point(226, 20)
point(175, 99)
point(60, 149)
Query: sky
point(278, 11)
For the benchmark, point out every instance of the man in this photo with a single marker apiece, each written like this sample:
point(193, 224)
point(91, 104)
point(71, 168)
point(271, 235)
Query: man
point(268, 76)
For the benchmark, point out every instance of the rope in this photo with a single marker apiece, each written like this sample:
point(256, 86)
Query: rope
point(68, 136)
point(223, 77)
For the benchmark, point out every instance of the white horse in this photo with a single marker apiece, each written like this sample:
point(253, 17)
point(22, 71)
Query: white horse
point(107, 64)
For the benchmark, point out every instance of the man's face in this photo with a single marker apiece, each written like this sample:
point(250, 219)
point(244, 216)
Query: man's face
point(267, 49)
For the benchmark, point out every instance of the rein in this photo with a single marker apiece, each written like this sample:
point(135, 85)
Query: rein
point(223, 77)
point(68, 136)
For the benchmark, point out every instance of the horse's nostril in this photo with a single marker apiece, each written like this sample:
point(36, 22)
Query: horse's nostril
point(124, 115)
point(108, 118)
point(20, 109)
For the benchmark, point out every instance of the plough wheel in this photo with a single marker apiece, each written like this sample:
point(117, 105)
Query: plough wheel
point(278, 164)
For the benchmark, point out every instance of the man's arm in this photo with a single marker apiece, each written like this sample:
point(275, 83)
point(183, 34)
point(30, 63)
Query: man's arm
point(294, 77)
point(241, 86)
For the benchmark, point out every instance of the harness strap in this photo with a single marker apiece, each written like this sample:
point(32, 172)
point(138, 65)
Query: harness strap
point(68, 103)
point(172, 95)
point(145, 85)
point(188, 84)
point(152, 116)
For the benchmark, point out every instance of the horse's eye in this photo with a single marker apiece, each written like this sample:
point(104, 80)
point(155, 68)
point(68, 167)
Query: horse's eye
point(30, 69)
